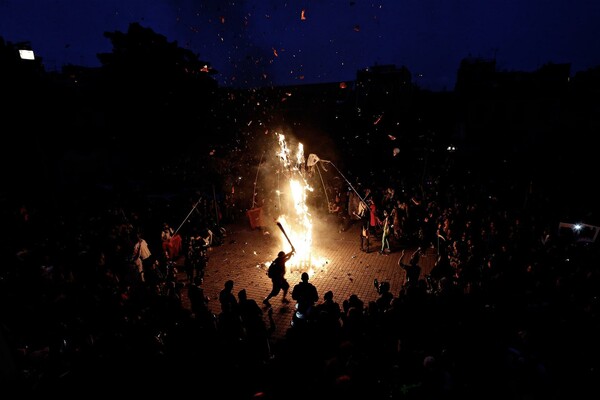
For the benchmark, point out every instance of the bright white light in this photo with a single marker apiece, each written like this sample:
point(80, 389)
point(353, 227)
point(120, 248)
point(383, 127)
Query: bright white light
point(577, 227)
point(26, 54)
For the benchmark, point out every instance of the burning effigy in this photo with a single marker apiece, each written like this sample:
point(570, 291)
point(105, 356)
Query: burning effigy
point(294, 218)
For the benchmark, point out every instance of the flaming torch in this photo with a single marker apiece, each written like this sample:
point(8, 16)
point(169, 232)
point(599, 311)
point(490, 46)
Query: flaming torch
point(285, 234)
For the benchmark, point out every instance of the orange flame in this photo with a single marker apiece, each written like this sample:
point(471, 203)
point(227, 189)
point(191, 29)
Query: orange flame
point(297, 221)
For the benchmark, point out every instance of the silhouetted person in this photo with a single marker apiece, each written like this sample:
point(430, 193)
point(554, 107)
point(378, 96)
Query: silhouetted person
point(442, 269)
point(199, 304)
point(256, 333)
point(227, 299)
point(364, 236)
point(306, 295)
point(385, 295)
point(229, 323)
point(276, 272)
point(413, 270)
point(328, 321)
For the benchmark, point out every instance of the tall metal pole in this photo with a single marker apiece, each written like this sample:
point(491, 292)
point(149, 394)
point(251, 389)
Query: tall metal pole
point(256, 180)
point(347, 181)
point(323, 183)
point(186, 217)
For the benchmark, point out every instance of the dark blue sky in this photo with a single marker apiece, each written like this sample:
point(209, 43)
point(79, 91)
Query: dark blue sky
point(267, 41)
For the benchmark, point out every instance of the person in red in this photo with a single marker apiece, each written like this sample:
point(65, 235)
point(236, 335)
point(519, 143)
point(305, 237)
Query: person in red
point(171, 242)
point(276, 272)
point(373, 218)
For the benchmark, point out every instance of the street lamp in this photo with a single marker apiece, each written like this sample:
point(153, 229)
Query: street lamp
point(26, 54)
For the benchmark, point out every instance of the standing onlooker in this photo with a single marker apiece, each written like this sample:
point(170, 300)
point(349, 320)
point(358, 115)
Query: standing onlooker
point(229, 323)
point(141, 255)
point(337, 209)
point(413, 270)
point(227, 299)
point(399, 215)
point(373, 218)
point(306, 295)
point(385, 241)
point(331, 308)
point(256, 333)
point(364, 236)
point(199, 305)
point(171, 242)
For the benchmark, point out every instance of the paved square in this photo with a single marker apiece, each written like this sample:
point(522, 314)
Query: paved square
point(246, 252)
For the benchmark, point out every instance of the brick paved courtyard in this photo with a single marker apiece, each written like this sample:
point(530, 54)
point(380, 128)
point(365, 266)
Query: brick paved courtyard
point(346, 270)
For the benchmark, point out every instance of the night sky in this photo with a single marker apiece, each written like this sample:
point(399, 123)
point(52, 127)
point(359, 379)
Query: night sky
point(273, 42)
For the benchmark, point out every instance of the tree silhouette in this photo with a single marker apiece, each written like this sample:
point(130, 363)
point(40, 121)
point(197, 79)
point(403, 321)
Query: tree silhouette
point(149, 83)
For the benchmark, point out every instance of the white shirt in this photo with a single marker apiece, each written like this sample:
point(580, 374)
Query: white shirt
point(141, 248)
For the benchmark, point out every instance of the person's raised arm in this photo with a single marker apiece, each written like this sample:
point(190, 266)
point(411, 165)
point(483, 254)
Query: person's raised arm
point(400, 263)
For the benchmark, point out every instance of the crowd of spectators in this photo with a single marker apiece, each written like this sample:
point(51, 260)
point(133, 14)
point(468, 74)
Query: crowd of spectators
point(509, 311)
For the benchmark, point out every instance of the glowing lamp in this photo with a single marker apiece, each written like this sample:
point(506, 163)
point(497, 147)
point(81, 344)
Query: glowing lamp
point(26, 55)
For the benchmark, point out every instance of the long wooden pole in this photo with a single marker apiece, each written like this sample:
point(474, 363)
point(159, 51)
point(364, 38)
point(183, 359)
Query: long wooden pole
point(256, 180)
